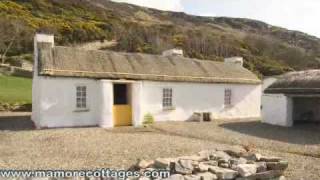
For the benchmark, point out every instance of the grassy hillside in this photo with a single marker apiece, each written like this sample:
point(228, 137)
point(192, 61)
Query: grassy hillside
point(15, 90)
point(268, 50)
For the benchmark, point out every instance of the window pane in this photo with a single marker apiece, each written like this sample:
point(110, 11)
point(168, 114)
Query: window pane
point(81, 93)
point(167, 97)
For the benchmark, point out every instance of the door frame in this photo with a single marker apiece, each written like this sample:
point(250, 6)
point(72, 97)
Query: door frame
point(123, 107)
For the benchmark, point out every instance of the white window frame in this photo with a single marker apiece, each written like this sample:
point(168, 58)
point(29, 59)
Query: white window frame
point(167, 98)
point(81, 97)
point(227, 97)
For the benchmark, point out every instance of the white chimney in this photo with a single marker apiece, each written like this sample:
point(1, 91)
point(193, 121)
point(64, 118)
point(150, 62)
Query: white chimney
point(38, 38)
point(173, 52)
point(234, 61)
point(36, 82)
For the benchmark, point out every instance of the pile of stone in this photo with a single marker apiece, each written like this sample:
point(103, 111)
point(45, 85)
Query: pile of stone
point(219, 164)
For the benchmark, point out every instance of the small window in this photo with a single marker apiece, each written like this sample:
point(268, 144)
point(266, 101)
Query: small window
point(81, 97)
point(167, 98)
point(227, 97)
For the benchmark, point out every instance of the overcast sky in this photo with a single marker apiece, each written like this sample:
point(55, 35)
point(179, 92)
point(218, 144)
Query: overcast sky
point(302, 15)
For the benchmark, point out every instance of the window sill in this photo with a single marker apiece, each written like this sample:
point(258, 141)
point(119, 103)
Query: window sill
point(169, 108)
point(81, 110)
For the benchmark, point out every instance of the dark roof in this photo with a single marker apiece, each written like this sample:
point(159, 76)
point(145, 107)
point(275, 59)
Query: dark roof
point(72, 62)
point(301, 82)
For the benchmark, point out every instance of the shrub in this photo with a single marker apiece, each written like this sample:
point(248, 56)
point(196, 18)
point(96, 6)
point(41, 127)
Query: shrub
point(148, 119)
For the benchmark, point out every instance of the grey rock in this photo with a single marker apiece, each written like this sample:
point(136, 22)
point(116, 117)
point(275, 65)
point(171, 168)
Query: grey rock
point(270, 159)
point(224, 165)
point(175, 177)
point(223, 173)
point(208, 154)
point(143, 164)
point(246, 170)
point(207, 176)
point(241, 160)
point(281, 165)
point(253, 156)
point(189, 164)
point(235, 151)
point(192, 177)
point(144, 178)
point(261, 166)
point(194, 158)
point(163, 163)
point(184, 167)
point(202, 167)
point(211, 163)
point(221, 155)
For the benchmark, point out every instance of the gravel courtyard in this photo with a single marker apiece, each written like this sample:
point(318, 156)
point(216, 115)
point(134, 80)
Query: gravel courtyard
point(92, 148)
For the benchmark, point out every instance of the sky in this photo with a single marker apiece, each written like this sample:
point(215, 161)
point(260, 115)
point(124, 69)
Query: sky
point(291, 14)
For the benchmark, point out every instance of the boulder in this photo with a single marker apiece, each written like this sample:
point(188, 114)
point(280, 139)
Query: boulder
point(184, 167)
point(246, 170)
point(281, 165)
point(224, 165)
point(253, 156)
point(235, 151)
point(202, 167)
point(175, 177)
point(207, 176)
point(221, 155)
point(235, 161)
point(192, 177)
point(270, 159)
point(261, 166)
point(144, 178)
point(143, 164)
point(223, 173)
point(195, 158)
point(163, 163)
point(208, 154)
point(211, 163)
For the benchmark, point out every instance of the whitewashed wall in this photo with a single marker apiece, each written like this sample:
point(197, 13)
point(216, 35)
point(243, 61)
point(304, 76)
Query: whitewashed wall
point(57, 103)
point(105, 95)
point(196, 97)
point(277, 109)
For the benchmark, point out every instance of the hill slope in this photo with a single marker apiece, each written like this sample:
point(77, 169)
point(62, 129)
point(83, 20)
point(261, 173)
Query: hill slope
point(268, 50)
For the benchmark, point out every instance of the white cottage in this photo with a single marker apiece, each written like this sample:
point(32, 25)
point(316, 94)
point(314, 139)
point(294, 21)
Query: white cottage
point(73, 87)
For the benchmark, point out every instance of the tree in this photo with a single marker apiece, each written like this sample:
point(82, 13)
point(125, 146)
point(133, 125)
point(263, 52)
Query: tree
point(10, 32)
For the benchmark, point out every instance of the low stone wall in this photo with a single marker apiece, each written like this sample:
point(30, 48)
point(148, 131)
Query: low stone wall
point(228, 164)
point(15, 107)
point(15, 71)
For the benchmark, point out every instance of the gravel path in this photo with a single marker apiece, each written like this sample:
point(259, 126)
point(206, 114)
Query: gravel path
point(303, 140)
point(92, 148)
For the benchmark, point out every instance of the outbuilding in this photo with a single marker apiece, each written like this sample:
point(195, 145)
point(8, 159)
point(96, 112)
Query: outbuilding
point(293, 98)
point(74, 87)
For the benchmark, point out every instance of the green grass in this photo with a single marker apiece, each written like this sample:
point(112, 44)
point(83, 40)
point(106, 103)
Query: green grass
point(15, 89)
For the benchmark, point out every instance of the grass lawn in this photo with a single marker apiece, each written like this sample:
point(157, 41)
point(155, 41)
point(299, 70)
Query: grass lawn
point(15, 89)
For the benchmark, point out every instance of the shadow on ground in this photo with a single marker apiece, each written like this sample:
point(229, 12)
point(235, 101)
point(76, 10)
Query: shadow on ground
point(305, 134)
point(16, 122)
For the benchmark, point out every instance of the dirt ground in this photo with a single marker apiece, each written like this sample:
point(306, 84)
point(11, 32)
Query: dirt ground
point(22, 147)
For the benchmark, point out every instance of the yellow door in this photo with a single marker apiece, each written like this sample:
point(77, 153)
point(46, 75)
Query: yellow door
point(122, 115)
